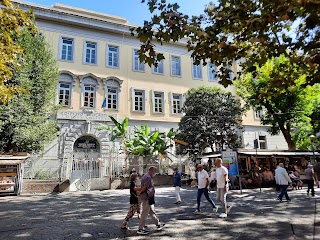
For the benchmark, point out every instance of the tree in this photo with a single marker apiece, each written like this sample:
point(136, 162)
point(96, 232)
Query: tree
point(246, 31)
point(212, 116)
point(142, 142)
point(13, 21)
point(25, 123)
point(283, 109)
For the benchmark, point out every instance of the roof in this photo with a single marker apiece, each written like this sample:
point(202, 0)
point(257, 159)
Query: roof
point(278, 153)
point(12, 159)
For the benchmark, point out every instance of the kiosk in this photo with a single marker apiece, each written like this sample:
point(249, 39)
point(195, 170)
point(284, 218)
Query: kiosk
point(11, 173)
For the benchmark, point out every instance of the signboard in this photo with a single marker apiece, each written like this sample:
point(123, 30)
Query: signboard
point(229, 160)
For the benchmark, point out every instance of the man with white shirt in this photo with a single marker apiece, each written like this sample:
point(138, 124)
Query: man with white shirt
point(203, 183)
point(222, 186)
point(283, 180)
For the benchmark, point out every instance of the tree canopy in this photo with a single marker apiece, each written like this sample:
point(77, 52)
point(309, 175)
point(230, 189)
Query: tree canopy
point(25, 123)
point(12, 22)
point(212, 116)
point(246, 31)
point(283, 109)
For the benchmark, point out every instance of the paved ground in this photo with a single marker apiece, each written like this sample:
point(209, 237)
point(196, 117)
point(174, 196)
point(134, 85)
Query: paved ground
point(98, 215)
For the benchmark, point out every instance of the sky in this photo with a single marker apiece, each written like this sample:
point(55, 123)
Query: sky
point(133, 10)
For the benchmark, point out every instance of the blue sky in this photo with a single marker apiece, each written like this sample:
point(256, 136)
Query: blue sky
point(133, 10)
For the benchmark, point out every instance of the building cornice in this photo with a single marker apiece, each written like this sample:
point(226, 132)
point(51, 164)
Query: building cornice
point(83, 18)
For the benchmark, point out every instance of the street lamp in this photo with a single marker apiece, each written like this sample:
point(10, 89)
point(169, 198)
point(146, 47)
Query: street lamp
point(312, 138)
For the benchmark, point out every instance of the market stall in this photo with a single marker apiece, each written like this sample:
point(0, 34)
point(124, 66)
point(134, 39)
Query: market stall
point(11, 174)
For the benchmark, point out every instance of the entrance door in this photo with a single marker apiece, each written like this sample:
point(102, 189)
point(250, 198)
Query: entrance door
point(86, 163)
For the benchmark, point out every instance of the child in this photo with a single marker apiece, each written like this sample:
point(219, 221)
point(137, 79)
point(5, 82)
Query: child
point(134, 205)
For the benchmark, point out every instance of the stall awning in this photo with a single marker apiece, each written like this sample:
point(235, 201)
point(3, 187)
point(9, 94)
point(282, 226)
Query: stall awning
point(278, 153)
point(12, 160)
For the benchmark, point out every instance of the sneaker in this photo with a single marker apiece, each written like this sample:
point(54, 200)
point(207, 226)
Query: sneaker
point(178, 202)
point(278, 199)
point(124, 227)
point(223, 215)
point(160, 226)
point(197, 212)
point(142, 232)
point(228, 209)
point(215, 209)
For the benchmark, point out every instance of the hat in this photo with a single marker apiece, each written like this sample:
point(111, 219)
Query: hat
point(133, 169)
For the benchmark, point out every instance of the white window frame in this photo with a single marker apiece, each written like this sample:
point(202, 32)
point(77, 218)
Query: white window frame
point(66, 77)
point(263, 141)
point(64, 94)
point(211, 75)
point(134, 90)
point(91, 49)
point(231, 75)
point(112, 83)
point(118, 56)
point(172, 94)
point(198, 69)
point(61, 47)
point(141, 65)
point(175, 63)
point(89, 80)
point(155, 70)
point(157, 99)
point(258, 113)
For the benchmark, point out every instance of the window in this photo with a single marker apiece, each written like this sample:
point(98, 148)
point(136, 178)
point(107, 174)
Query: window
point(91, 53)
point(176, 103)
point(112, 98)
point(89, 95)
point(112, 88)
point(197, 71)
point(66, 49)
point(262, 142)
point(64, 94)
point(89, 87)
point(159, 69)
point(175, 66)
point(212, 70)
point(231, 75)
point(138, 100)
point(158, 102)
point(137, 65)
point(65, 87)
point(113, 56)
point(258, 114)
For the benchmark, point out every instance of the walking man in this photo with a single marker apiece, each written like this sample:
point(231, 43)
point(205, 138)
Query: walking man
point(147, 201)
point(283, 180)
point(222, 186)
point(203, 183)
point(309, 173)
point(177, 184)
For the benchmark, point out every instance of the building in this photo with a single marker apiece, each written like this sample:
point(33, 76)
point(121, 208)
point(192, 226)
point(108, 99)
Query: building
point(101, 75)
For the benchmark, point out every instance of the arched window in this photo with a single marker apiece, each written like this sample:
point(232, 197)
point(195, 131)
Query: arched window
point(89, 86)
point(112, 88)
point(65, 88)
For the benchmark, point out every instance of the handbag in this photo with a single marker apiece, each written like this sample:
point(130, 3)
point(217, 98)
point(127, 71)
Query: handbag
point(151, 200)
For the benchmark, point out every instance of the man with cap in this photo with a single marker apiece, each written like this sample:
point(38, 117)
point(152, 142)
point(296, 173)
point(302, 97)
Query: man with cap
point(309, 173)
point(147, 201)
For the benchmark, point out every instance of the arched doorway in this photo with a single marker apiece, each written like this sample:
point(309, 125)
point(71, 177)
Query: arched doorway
point(86, 162)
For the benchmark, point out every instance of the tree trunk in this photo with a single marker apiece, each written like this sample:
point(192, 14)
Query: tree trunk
point(286, 131)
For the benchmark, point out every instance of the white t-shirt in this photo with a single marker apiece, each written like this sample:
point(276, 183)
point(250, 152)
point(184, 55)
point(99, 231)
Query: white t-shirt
point(221, 179)
point(202, 178)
